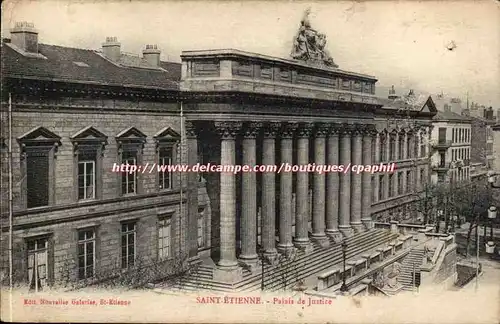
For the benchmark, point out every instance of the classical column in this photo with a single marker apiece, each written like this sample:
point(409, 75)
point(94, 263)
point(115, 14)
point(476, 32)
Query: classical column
point(302, 189)
point(318, 224)
point(249, 198)
point(377, 150)
point(397, 138)
point(285, 221)
point(227, 131)
point(367, 192)
point(356, 179)
point(345, 181)
point(192, 194)
point(332, 184)
point(269, 190)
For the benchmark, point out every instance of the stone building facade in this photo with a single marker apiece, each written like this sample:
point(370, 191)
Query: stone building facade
point(76, 114)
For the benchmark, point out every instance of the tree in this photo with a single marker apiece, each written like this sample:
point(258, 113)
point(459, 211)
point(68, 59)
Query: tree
point(471, 202)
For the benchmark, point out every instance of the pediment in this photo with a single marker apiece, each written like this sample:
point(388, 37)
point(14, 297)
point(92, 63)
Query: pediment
point(167, 133)
point(132, 134)
point(89, 133)
point(39, 134)
point(429, 106)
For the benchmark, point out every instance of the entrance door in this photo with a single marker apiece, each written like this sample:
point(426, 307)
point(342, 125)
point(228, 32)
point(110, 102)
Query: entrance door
point(37, 264)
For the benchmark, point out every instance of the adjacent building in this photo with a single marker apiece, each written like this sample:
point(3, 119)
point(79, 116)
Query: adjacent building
point(451, 139)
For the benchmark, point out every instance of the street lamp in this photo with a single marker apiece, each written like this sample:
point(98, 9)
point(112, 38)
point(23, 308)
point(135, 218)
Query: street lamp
point(491, 180)
point(490, 245)
point(343, 288)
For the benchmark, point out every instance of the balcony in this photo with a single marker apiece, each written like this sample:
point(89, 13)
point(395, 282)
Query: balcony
point(441, 145)
point(441, 167)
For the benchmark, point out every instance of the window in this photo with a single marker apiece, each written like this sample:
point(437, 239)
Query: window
point(423, 147)
point(128, 245)
point(165, 178)
point(409, 153)
point(37, 263)
point(38, 149)
point(130, 144)
point(392, 147)
point(380, 187)
point(166, 142)
point(129, 180)
point(423, 180)
point(383, 151)
point(400, 184)
point(164, 238)
point(88, 145)
point(390, 184)
point(86, 253)
point(409, 180)
point(401, 147)
point(86, 179)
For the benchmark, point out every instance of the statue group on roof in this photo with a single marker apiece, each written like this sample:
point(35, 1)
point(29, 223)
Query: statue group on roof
point(309, 45)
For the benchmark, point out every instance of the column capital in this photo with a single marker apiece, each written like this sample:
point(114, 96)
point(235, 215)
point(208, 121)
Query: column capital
point(271, 129)
point(371, 130)
point(251, 129)
point(321, 129)
point(357, 130)
point(288, 130)
point(228, 129)
point(345, 129)
point(304, 130)
point(335, 129)
point(191, 129)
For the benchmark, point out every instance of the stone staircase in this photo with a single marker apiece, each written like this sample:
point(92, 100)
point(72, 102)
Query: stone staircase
point(304, 265)
point(415, 257)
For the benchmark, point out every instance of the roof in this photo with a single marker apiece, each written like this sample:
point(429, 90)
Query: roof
point(415, 103)
point(58, 63)
point(450, 116)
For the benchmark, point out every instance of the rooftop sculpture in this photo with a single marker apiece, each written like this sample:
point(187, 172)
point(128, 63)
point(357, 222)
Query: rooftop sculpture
point(309, 45)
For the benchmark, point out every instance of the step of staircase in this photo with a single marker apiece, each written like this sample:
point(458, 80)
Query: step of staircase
point(316, 261)
point(415, 257)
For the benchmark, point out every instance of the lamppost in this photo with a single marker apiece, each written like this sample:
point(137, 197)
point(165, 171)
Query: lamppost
point(343, 288)
point(490, 245)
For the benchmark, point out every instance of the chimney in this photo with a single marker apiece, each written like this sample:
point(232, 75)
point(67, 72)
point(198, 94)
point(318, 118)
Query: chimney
point(111, 49)
point(466, 112)
point(152, 54)
point(392, 94)
point(447, 108)
point(25, 37)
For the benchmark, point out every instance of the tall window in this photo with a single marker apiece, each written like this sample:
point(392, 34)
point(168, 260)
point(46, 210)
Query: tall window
point(423, 179)
point(37, 263)
point(380, 187)
point(88, 145)
point(86, 179)
point(392, 147)
point(37, 178)
point(130, 144)
point(164, 238)
point(401, 145)
point(86, 253)
point(400, 184)
point(409, 139)
point(165, 157)
point(409, 180)
point(423, 146)
point(38, 149)
point(390, 184)
point(128, 244)
point(383, 151)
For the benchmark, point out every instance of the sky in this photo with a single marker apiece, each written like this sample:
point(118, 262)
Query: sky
point(402, 43)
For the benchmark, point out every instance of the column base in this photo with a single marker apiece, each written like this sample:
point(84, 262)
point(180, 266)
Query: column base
point(227, 263)
point(228, 274)
point(287, 249)
point(346, 230)
point(358, 227)
point(368, 223)
point(249, 261)
point(303, 245)
point(321, 239)
point(334, 234)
